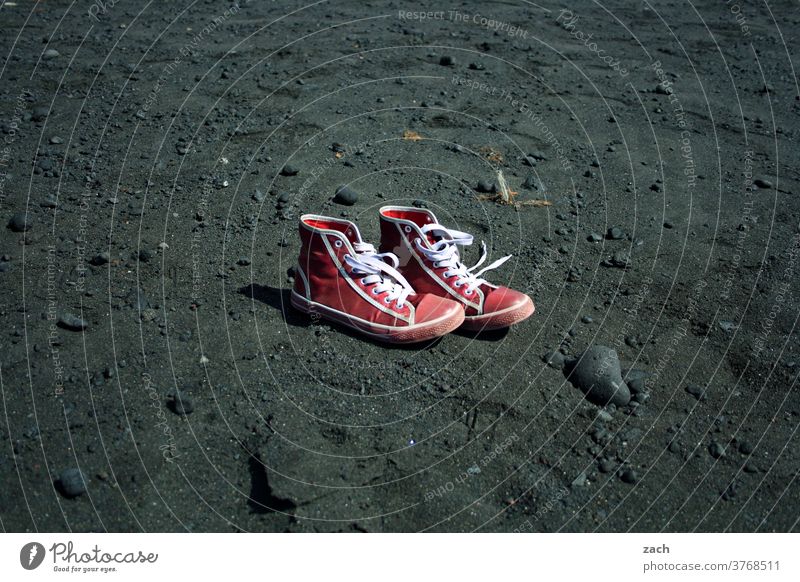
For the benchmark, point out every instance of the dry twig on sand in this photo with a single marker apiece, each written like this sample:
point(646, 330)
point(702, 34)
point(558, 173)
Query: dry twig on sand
point(506, 195)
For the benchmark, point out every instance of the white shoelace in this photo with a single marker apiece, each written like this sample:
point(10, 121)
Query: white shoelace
point(384, 277)
point(444, 253)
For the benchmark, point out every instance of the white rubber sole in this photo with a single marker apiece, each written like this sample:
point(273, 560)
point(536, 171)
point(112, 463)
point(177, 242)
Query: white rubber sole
point(500, 319)
point(418, 332)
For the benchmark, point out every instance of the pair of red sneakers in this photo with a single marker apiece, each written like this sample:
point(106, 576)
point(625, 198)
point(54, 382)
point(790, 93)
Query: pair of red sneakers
point(415, 289)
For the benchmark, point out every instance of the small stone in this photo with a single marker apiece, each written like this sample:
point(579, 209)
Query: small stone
point(554, 359)
point(55, 140)
point(50, 54)
point(668, 224)
point(697, 391)
point(606, 466)
point(289, 170)
point(72, 483)
point(259, 196)
point(486, 187)
point(346, 196)
point(594, 237)
point(533, 183)
point(537, 155)
point(587, 319)
point(72, 322)
point(745, 448)
point(628, 476)
point(579, 481)
point(283, 197)
point(100, 259)
point(762, 183)
point(727, 326)
point(243, 261)
point(615, 233)
point(19, 222)
point(39, 113)
point(635, 379)
point(181, 404)
point(447, 61)
point(716, 450)
point(145, 255)
point(48, 202)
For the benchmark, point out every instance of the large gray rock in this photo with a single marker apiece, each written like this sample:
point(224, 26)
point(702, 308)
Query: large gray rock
point(596, 372)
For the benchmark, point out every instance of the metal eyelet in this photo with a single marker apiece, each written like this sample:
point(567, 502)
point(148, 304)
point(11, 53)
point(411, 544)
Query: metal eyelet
point(456, 284)
point(387, 300)
point(468, 292)
point(374, 291)
point(363, 281)
point(338, 244)
point(407, 228)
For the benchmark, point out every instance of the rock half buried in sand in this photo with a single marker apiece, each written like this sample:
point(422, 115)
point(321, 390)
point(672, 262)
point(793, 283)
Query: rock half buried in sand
point(597, 374)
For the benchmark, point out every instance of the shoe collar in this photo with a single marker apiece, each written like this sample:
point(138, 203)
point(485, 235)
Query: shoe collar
point(411, 217)
point(343, 229)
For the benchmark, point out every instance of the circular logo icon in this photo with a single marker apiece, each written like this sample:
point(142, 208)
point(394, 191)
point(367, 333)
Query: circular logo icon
point(31, 555)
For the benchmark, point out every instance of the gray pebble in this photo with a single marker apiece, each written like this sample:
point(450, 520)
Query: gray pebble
point(181, 403)
point(447, 61)
point(486, 187)
point(628, 476)
point(72, 482)
point(50, 54)
point(615, 233)
point(762, 183)
point(259, 196)
point(635, 379)
point(587, 319)
point(716, 450)
point(697, 391)
point(554, 359)
point(290, 170)
point(345, 195)
point(72, 322)
point(594, 237)
point(19, 222)
point(606, 466)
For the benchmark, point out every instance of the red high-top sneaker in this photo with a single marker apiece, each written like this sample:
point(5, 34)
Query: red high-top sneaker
point(342, 278)
point(430, 260)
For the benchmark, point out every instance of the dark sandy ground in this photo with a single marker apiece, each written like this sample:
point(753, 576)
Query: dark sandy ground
point(143, 143)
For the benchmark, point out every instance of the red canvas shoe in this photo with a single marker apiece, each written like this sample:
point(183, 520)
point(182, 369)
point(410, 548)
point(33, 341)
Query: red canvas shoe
point(430, 260)
point(341, 278)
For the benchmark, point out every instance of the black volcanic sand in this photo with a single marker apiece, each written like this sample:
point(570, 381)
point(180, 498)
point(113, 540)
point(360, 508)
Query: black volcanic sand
point(155, 160)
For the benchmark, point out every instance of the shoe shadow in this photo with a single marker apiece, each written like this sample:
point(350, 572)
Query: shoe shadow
point(280, 299)
point(486, 336)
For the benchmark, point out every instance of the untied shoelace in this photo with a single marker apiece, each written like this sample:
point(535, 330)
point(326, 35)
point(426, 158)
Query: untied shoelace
point(444, 253)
